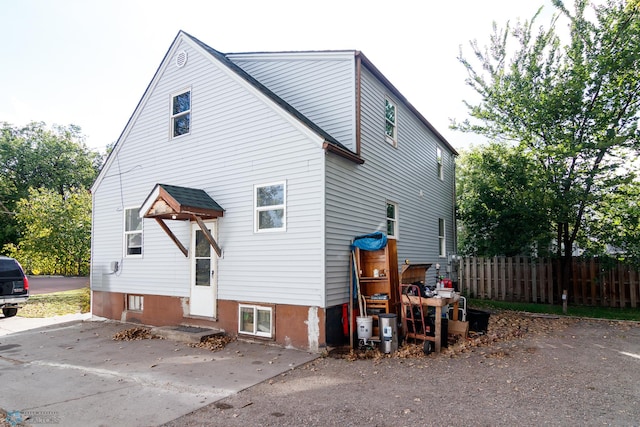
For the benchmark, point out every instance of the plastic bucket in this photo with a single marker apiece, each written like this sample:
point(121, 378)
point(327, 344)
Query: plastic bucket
point(365, 327)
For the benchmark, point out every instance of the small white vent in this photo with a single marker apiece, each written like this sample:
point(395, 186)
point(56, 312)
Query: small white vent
point(181, 59)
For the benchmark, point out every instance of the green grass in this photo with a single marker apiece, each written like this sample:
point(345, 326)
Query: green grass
point(57, 304)
point(572, 310)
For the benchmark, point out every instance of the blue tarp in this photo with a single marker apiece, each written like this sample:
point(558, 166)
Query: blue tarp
point(370, 242)
point(366, 242)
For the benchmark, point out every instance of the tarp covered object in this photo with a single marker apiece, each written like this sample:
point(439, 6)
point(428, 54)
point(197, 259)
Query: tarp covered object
point(366, 242)
point(370, 242)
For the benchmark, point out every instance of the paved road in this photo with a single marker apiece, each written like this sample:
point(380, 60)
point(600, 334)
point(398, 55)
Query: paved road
point(48, 284)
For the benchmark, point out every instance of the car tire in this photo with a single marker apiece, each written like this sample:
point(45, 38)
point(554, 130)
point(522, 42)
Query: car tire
point(10, 311)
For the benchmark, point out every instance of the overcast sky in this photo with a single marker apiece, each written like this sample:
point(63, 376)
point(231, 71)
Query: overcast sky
point(88, 62)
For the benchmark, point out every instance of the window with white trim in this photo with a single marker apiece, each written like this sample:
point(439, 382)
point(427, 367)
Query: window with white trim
point(392, 220)
point(270, 207)
point(442, 241)
point(440, 169)
point(132, 233)
point(390, 121)
point(135, 302)
point(181, 113)
point(255, 320)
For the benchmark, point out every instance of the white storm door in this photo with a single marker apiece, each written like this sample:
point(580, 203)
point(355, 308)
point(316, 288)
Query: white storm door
point(203, 270)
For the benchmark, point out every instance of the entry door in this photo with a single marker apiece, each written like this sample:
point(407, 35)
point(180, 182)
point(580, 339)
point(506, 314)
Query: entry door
point(203, 272)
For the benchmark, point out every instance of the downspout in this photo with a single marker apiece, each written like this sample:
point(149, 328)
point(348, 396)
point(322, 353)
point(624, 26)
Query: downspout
point(358, 100)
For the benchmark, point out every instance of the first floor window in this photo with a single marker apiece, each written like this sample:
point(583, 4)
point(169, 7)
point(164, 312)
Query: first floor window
point(392, 220)
point(181, 114)
point(270, 207)
point(256, 320)
point(132, 232)
point(442, 242)
point(135, 302)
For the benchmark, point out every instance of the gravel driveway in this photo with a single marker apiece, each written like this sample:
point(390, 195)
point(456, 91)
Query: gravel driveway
point(527, 371)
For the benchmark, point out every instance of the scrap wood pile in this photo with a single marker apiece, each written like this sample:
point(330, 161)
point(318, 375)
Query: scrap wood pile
point(214, 343)
point(503, 326)
point(131, 334)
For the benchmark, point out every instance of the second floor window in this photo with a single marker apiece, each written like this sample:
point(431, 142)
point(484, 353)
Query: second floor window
point(132, 233)
point(181, 114)
point(390, 121)
point(439, 163)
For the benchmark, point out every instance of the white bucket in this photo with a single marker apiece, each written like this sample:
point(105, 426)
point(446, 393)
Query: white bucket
point(365, 327)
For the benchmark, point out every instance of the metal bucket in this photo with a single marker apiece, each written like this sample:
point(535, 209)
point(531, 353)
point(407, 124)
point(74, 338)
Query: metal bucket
point(388, 332)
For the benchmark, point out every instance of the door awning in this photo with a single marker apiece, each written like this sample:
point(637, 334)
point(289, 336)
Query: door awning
point(170, 202)
point(179, 203)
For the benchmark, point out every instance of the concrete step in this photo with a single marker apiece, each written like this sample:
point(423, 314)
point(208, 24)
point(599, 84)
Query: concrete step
point(188, 334)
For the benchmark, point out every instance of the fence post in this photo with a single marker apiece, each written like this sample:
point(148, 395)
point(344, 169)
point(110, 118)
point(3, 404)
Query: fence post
point(534, 281)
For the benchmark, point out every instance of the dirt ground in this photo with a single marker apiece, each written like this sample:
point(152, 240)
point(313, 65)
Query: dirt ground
point(526, 371)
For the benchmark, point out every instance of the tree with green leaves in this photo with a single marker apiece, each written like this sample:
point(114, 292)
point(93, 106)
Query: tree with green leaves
point(35, 156)
point(571, 105)
point(501, 203)
point(614, 230)
point(56, 232)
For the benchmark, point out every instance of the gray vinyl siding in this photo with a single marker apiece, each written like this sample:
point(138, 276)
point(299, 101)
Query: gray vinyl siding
point(238, 139)
point(356, 195)
point(320, 85)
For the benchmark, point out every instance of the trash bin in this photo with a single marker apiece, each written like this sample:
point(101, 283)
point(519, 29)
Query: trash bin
point(478, 320)
point(388, 326)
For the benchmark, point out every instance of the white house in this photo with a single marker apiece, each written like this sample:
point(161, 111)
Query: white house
point(234, 191)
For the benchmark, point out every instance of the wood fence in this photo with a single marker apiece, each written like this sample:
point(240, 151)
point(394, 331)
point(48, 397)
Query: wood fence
point(521, 279)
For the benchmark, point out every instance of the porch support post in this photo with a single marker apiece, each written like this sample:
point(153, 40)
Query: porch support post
point(207, 234)
point(173, 237)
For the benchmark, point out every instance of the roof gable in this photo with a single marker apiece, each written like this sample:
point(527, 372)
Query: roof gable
point(174, 202)
point(312, 130)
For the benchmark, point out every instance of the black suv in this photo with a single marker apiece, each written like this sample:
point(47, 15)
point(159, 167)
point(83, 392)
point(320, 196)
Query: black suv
point(14, 286)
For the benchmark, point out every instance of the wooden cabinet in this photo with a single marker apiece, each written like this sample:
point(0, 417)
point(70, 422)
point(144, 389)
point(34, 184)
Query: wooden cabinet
point(378, 275)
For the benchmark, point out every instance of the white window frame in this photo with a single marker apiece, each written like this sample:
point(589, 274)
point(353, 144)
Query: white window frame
point(393, 138)
point(254, 331)
point(258, 209)
point(393, 220)
point(135, 213)
point(135, 302)
point(181, 113)
point(439, 163)
point(442, 238)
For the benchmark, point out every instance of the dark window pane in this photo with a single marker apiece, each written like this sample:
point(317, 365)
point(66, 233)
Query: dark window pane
point(270, 195)
point(391, 211)
point(271, 219)
point(390, 229)
point(182, 102)
point(181, 124)
point(390, 112)
point(203, 272)
point(203, 248)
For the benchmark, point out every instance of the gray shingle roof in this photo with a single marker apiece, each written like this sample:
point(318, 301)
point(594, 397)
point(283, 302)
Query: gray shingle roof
point(191, 197)
point(262, 88)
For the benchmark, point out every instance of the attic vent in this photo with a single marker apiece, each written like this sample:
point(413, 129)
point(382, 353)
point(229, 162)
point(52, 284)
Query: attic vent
point(181, 59)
